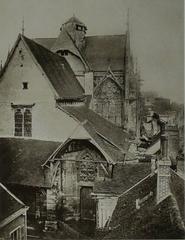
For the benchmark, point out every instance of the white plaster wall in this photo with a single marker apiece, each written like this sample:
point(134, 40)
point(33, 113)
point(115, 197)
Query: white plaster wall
point(105, 210)
point(48, 122)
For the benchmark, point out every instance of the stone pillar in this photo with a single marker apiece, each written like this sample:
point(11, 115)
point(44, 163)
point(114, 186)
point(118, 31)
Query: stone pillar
point(163, 178)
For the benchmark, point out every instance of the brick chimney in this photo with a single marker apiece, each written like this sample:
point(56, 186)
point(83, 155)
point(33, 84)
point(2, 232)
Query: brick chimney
point(163, 179)
point(163, 169)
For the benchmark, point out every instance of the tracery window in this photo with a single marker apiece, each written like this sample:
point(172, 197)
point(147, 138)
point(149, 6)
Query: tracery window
point(87, 168)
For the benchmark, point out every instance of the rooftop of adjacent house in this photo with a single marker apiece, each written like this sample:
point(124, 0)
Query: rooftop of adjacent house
point(100, 52)
point(9, 204)
point(124, 177)
point(149, 220)
point(21, 160)
point(103, 127)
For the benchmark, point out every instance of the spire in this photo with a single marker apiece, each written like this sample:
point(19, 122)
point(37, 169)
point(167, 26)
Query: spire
point(22, 29)
point(128, 20)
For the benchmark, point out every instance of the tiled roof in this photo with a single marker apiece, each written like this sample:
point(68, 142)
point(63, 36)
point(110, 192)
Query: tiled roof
point(177, 187)
point(21, 160)
point(8, 203)
point(57, 70)
point(102, 126)
point(106, 51)
point(113, 152)
point(124, 177)
point(149, 222)
point(45, 42)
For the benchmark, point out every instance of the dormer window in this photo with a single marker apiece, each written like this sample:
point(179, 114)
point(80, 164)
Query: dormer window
point(25, 85)
point(80, 28)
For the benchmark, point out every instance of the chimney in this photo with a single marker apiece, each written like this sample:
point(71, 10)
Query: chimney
point(163, 168)
point(163, 178)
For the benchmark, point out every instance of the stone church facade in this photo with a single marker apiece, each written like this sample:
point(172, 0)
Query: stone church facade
point(105, 69)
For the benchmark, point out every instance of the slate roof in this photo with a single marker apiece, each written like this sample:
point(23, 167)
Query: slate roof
point(8, 203)
point(100, 52)
point(115, 154)
point(21, 160)
point(102, 126)
point(177, 188)
point(45, 42)
point(104, 51)
point(57, 70)
point(152, 220)
point(124, 177)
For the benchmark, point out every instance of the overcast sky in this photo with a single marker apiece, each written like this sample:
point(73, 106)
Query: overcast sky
point(156, 30)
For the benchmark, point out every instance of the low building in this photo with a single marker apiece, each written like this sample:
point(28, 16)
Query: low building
point(13, 220)
point(151, 209)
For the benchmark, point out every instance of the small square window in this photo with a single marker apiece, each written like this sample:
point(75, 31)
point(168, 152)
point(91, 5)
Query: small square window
point(25, 85)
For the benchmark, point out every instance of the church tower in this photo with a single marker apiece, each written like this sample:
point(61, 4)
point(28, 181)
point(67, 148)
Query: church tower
point(77, 30)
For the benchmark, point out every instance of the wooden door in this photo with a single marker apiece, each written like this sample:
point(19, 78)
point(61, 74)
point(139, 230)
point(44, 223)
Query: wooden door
point(87, 204)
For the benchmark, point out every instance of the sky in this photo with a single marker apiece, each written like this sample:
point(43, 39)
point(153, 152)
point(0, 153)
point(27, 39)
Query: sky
point(157, 32)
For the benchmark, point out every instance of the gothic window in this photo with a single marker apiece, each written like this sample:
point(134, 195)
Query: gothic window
point(87, 168)
point(23, 122)
point(108, 101)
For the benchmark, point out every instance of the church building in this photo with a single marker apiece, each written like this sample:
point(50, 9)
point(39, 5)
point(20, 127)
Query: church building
point(105, 69)
point(69, 107)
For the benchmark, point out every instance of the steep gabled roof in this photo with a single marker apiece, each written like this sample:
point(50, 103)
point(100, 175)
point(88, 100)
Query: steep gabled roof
point(56, 69)
point(9, 204)
point(103, 127)
point(21, 160)
point(111, 153)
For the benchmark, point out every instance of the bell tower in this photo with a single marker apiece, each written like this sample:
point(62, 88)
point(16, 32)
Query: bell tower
point(77, 30)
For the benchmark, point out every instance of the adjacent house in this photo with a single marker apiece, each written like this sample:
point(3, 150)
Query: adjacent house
point(152, 208)
point(13, 220)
